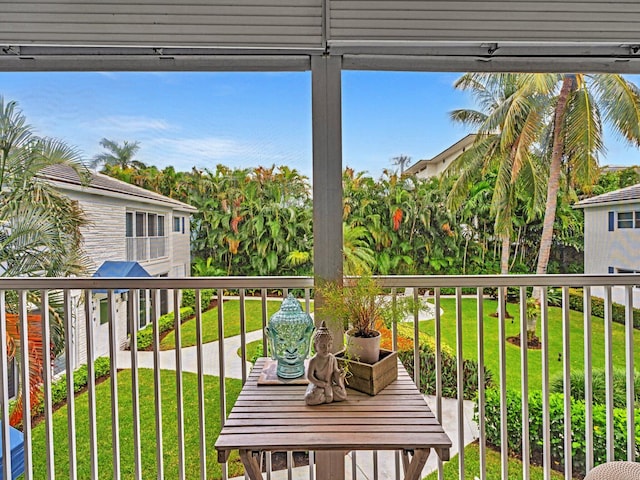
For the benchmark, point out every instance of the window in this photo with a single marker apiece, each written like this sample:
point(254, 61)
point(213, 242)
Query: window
point(146, 225)
point(637, 223)
point(104, 311)
point(160, 230)
point(625, 219)
point(152, 224)
point(176, 224)
point(129, 224)
point(140, 225)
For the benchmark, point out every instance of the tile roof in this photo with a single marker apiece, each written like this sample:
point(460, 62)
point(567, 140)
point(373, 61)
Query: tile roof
point(103, 184)
point(623, 195)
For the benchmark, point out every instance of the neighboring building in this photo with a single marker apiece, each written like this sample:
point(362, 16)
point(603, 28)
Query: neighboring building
point(133, 230)
point(612, 235)
point(438, 164)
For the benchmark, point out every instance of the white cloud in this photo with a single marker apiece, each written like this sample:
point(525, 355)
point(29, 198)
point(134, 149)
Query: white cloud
point(185, 153)
point(124, 123)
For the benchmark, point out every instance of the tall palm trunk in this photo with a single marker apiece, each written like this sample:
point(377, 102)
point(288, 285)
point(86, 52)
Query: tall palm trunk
point(553, 183)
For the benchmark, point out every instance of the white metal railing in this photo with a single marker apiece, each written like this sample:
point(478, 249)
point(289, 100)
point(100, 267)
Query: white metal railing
point(146, 248)
point(16, 295)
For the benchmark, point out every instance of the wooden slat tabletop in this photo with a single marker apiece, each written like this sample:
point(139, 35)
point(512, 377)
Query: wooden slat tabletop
point(274, 418)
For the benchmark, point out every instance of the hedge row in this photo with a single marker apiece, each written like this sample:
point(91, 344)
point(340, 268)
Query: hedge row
point(598, 386)
point(556, 406)
point(576, 302)
point(144, 337)
point(189, 298)
point(449, 369)
point(80, 378)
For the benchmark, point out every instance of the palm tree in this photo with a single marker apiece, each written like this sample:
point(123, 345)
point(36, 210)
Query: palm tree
point(575, 137)
point(39, 230)
point(402, 161)
point(507, 127)
point(118, 155)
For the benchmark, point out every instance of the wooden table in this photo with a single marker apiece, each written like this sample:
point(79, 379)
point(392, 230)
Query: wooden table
point(275, 418)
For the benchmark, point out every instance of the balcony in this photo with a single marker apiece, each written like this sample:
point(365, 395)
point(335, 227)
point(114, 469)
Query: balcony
point(140, 249)
point(157, 418)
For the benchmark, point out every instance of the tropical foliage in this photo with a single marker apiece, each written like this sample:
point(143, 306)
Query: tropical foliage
point(39, 233)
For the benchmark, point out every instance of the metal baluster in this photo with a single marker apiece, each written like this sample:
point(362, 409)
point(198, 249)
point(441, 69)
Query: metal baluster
point(263, 299)
point(481, 386)
point(460, 382)
point(157, 385)
point(243, 336)
point(416, 342)
point(546, 422)
point(269, 465)
point(394, 323)
point(289, 463)
point(502, 340)
point(132, 317)
point(179, 382)
point(375, 465)
point(608, 362)
point(201, 386)
point(46, 388)
point(566, 367)
point(113, 378)
point(524, 381)
point(312, 462)
point(91, 384)
point(631, 428)
point(588, 380)
point(223, 390)
point(438, 341)
point(354, 466)
point(4, 389)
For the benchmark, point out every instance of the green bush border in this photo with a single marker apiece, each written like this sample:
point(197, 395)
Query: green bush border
point(449, 369)
point(556, 417)
point(144, 337)
point(576, 302)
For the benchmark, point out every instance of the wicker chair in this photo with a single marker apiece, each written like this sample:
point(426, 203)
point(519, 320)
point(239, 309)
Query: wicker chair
point(615, 471)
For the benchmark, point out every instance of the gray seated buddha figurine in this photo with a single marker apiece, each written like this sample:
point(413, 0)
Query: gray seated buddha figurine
point(326, 380)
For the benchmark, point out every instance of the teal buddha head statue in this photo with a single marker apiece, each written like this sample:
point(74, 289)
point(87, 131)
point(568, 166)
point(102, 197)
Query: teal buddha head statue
point(289, 334)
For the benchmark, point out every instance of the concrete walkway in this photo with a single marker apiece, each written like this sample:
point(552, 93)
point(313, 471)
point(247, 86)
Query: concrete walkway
point(364, 460)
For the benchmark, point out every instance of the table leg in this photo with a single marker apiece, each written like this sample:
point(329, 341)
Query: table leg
point(413, 467)
point(251, 465)
point(329, 465)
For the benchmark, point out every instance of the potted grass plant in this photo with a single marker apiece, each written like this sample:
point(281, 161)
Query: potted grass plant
point(359, 305)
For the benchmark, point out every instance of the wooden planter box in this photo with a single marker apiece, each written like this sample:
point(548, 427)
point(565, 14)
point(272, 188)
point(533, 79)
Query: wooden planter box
point(370, 378)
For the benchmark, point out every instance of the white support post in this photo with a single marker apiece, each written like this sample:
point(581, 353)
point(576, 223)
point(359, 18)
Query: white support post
point(326, 97)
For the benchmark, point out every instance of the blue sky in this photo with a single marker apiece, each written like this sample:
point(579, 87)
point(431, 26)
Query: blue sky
point(248, 119)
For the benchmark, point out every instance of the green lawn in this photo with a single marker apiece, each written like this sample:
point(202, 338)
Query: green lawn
point(147, 429)
point(231, 310)
point(493, 467)
point(470, 340)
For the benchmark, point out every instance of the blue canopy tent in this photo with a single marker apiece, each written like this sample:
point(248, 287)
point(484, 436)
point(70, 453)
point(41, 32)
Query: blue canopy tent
point(114, 269)
point(16, 440)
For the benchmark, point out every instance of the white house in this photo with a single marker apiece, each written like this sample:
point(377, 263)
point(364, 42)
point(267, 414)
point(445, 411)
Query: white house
point(131, 230)
point(612, 235)
point(435, 166)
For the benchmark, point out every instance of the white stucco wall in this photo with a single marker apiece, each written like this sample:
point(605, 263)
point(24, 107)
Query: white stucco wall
point(619, 249)
point(105, 239)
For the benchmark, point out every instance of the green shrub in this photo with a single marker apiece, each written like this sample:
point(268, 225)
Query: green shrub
point(576, 302)
point(599, 386)
point(144, 337)
point(189, 298)
point(101, 367)
point(556, 416)
point(449, 370)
